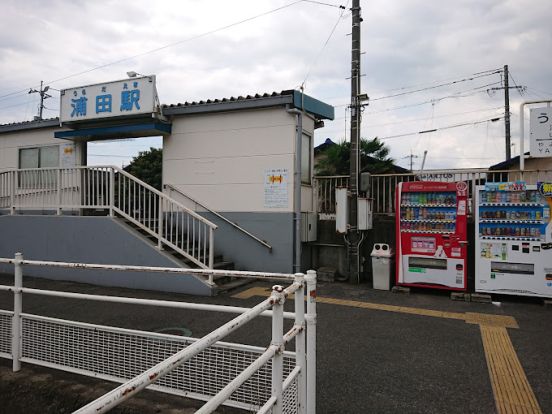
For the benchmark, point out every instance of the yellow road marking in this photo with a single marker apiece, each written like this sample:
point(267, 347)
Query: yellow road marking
point(468, 317)
point(512, 392)
point(511, 389)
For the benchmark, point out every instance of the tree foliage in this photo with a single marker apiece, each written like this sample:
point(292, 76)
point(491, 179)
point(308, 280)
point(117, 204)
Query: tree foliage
point(374, 158)
point(147, 166)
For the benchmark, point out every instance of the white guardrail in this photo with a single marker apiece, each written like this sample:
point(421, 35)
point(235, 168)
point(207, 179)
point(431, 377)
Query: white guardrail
point(111, 188)
point(264, 380)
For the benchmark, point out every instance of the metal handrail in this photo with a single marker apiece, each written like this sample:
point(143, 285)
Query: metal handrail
point(233, 224)
point(303, 331)
point(166, 197)
point(151, 210)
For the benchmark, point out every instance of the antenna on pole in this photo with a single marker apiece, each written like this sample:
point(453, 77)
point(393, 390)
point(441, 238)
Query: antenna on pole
point(43, 97)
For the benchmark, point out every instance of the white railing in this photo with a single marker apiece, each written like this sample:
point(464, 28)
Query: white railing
point(325, 192)
point(264, 380)
point(110, 188)
point(197, 204)
point(382, 186)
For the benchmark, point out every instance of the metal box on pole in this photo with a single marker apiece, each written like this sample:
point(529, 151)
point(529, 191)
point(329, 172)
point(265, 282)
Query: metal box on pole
point(341, 210)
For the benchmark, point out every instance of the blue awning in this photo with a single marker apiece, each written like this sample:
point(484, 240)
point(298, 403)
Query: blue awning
point(149, 129)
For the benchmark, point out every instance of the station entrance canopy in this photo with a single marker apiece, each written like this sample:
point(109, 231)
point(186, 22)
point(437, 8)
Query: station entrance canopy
point(126, 108)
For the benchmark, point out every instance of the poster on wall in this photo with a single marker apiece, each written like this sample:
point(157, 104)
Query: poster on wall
point(67, 155)
point(276, 188)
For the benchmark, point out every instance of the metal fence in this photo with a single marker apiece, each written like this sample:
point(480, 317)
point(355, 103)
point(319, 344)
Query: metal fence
point(382, 186)
point(111, 189)
point(264, 380)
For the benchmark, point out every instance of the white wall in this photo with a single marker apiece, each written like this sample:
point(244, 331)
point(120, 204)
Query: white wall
point(10, 143)
point(220, 159)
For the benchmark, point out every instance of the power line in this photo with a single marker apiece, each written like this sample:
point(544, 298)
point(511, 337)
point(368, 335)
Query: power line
point(435, 86)
point(210, 32)
point(443, 128)
point(520, 89)
point(339, 6)
point(325, 44)
point(459, 94)
point(441, 80)
point(405, 121)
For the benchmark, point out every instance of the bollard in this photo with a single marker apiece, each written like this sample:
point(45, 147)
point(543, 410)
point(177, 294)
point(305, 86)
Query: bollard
point(17, 309)
point(300, 354)
point(311, 341)
point(278, 340)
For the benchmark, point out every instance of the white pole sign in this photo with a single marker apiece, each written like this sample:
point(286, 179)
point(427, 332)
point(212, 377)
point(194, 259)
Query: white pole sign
point(541, 132)
point(135, 96)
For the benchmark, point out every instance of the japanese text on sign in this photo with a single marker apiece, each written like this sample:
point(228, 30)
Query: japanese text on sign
point(276, 188)
point(128, 97)
point(541, 132)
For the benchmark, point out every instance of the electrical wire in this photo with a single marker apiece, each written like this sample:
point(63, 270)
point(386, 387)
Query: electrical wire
point(440, 80)
point(518, 88)
point(406, 121)
point(210, 32)
point(339, 19)
point(442, 128)
point(434, 86)
point(459, 94)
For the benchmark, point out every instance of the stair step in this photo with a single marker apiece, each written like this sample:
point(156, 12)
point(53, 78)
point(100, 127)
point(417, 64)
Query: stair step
point(232, 284)
point(224, 265)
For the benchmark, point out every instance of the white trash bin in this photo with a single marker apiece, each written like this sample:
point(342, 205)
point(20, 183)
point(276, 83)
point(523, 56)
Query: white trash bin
point(382, 256)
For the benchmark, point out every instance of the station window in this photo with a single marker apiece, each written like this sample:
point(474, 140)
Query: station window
point(306, 159)
point(38, 157)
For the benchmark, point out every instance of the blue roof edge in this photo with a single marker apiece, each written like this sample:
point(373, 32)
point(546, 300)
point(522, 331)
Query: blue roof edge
point(309, 104)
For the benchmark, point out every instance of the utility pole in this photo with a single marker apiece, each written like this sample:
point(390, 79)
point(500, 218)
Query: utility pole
point(507, 113)
point(43, 96)
point(353, 235)
point(412, 156)
point(507, 88)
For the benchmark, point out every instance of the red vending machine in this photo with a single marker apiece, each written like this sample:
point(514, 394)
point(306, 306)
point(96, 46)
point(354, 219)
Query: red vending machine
point(432, 234)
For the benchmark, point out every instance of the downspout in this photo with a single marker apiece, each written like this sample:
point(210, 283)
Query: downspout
point(297, 191)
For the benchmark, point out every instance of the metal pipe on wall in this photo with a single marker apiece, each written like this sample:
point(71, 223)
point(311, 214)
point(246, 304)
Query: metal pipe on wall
point(297, 191)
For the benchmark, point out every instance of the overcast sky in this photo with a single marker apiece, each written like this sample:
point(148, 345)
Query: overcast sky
point(407, 44)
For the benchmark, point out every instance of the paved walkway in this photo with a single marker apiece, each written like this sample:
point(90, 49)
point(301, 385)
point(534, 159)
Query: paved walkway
point(377, 351)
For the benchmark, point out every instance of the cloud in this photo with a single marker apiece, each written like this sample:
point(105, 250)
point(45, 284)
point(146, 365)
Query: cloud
point(412, 42)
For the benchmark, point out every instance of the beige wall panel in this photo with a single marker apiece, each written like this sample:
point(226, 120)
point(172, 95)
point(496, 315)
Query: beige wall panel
point(231, 120)
point(231, 170)
point(233, 197)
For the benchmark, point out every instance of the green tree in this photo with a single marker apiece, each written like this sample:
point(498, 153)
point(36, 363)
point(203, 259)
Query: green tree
point(147, 166)
point(374, 158)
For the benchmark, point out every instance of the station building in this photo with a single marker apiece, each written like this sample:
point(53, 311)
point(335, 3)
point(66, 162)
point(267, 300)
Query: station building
point(243, 164)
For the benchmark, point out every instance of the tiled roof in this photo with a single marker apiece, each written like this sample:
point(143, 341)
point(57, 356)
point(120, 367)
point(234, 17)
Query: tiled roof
point(14, 126)
point(289, 97)
point(231, 99)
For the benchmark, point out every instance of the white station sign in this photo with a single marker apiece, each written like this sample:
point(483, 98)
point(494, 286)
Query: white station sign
point(541, 132)
point(134, 96)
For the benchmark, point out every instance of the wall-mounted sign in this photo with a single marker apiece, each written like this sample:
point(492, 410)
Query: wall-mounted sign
point(276, 188)
point(541, 132)
point(67, 152)
point(135, 96)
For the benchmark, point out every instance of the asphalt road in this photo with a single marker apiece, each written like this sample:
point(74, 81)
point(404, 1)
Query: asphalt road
point(368, 360)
